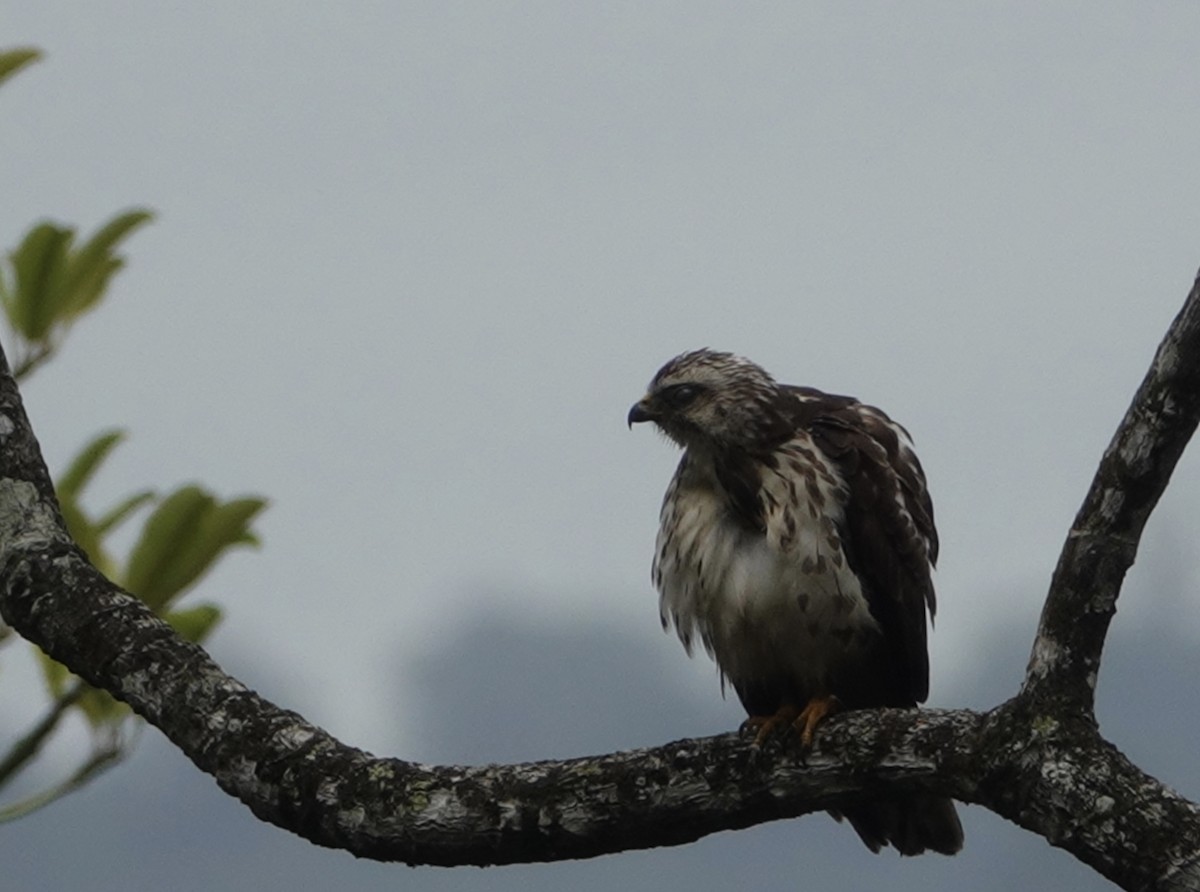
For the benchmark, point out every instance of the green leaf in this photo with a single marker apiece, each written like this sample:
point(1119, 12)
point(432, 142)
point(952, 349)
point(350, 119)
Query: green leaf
point(12, 61)
point(182, 540)
point(195, 623)
point(84, 466)
point(85, 534)
point(54, 284)
point(169, 532)
point(100, 708)
point(229, 524)
point(39, 266)
point(94, 264)
point(55, 674)
point(117, 515)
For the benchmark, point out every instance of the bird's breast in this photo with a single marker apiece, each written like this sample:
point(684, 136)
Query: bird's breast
point(765, 604)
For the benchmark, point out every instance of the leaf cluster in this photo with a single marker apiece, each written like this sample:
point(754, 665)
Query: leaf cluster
point(185, 535)
point(48, 281)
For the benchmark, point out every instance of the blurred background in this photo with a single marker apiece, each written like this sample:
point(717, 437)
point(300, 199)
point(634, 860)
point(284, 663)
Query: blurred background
point(412, 262)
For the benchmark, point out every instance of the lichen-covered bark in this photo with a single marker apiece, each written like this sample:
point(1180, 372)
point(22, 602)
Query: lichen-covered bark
point(1060, 779)
point(1038, 759)
point(1103, 540)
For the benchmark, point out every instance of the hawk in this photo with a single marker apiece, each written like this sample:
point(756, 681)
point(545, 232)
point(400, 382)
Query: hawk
point(796, 542)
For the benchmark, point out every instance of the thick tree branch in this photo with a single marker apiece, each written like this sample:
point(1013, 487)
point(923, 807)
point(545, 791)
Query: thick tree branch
point(1037, 760)
point(1104, 538)
point(1040, 774)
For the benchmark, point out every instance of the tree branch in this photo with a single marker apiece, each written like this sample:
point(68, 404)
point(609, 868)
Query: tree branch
point(297, 776)
point(1037, 760)
point(1103, 540)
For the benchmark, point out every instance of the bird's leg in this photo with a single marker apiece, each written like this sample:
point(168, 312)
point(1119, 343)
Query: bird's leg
point(764, 726)
point(811, 715)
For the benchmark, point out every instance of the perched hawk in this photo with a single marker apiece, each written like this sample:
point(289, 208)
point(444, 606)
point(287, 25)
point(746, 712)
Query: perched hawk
point(796, 542)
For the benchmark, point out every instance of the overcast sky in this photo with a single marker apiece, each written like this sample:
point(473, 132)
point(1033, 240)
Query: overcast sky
point(414, 261)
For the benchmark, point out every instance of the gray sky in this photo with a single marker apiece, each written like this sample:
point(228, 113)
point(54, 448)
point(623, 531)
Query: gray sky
point(414, 261)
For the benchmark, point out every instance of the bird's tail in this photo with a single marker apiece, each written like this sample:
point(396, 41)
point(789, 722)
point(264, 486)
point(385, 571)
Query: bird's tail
point(913, 824)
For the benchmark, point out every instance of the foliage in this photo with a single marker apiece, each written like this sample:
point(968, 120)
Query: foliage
point(48, 282)
point(12, 61)
point(52, 282)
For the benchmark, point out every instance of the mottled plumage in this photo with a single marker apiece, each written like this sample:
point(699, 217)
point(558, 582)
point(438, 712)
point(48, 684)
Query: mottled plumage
point(796, 543)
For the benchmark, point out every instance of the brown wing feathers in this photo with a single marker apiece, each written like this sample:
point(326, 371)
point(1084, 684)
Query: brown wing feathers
point(887, 531)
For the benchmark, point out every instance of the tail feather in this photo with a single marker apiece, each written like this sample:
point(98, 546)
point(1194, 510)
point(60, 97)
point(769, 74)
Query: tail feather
point(912, 825)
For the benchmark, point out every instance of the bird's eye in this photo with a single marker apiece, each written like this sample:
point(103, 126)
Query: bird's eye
point(680, 395)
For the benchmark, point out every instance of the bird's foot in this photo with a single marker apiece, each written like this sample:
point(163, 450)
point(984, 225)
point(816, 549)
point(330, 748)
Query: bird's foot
point(763, 726)
point(811, 715)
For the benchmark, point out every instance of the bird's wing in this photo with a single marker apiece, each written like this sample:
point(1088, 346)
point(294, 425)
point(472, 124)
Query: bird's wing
point(887, 528)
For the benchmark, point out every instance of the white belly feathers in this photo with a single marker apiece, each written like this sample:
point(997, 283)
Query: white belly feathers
point(781, 603)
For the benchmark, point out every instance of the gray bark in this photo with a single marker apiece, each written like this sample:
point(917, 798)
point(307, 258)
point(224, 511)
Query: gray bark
point(1037, 759)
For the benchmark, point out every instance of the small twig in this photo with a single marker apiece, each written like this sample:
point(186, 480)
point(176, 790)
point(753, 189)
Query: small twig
point(26, 747)
point(29, 362)
point(101, 760)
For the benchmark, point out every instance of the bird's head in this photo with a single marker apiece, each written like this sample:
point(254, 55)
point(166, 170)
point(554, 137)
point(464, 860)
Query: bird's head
point(709, 399)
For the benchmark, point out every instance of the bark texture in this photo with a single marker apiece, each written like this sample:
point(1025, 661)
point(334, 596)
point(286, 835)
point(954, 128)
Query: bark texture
point(1037, 759)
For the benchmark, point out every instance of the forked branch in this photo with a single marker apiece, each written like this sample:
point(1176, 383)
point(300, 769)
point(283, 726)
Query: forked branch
point(1037, 759)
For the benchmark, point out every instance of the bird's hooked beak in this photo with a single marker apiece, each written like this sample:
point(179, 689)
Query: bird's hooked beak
point(641, 411)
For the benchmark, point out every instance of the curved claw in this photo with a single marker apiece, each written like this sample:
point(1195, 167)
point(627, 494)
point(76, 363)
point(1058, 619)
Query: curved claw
point(764, 726)
point(811, 715)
